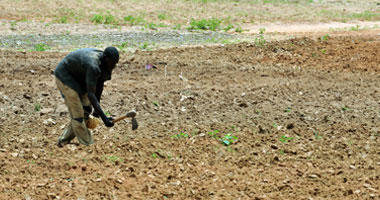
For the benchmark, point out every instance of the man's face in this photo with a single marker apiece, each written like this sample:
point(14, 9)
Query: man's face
point(110, 64)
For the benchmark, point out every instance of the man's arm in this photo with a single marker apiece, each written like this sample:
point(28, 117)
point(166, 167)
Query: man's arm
point(99, 90)
point(91, 90)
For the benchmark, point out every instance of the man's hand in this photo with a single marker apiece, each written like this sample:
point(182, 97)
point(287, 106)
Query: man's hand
point(108, 122)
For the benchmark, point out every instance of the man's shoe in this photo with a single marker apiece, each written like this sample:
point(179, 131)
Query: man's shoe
point(61, 143)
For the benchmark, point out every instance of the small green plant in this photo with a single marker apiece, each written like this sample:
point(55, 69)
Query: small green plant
point(275, 125)
point(109, 19)
point(97, 18)
point(13, 24)
point(114, 159)
point(63, 20)
point(323, 51)
point(261, 31)
point(37, 107)
point(285, 139)
point(238, 30)
point(151, 25)
point(41, 47)
point(177, 27)
point(180, 135)
point(355, 28)
point(228, 139)
point(325, 37)
point(162, 16)
point(123, 45)
point(345, 108)
point(205, 24)
point(282, 152)
point(107, 113)
point(213, 133)
point(134, 20)
point(317, 136)
point(288, 109)
point(155, 103)
point(154, 155)
point(228, 27)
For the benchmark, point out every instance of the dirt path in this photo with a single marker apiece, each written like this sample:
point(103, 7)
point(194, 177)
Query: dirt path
point(66, 37)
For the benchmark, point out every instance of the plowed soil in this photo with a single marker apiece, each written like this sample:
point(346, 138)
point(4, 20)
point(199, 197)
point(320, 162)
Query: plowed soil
point(305, 113)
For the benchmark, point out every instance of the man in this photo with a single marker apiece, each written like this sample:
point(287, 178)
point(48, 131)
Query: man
point(80, 78)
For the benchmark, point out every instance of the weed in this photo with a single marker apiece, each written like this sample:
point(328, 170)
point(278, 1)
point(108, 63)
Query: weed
point(151, 25)
point(288, 109)
point(228, 27)
point(114, 159)
point(367, 15)
point(37, 107)
point(155, 103)
point(323, 51)
point(134, 20)
point(154, 155)
point(180, 135)
point(97, 18)
point(282, 152)
point(107, 113)
point(275, 125)
point(162, 16)
point(205, 24)
point(317, 136)
point(123, 45)
point(228, 139)
point(261, 31)
point(325, 37)
point(285, 139)
point(345, 108)
point(109, 19)
point(355, 28)
point(177, 27)
point(13, 24)
point(213, 133)
point(238, 29)
point(63, 20)
point(145, 46)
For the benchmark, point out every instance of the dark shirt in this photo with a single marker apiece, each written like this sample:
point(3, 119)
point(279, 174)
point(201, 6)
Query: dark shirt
point(81, 68)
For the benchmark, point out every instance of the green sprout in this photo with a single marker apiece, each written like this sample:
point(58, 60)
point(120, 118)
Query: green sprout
point(180, 135)
point(37, 107)
point(285, 139)
point(228, 139)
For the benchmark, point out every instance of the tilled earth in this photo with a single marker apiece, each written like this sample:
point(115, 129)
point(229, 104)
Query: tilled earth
point(301, 116)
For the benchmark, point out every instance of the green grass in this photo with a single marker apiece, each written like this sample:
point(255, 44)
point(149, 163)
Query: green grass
point(131, 20)
point(205, 24)
point(107, 18)
point(37, 107)
point(180, 135)
point(41, 47)
point(285, 139)
point(366, 15)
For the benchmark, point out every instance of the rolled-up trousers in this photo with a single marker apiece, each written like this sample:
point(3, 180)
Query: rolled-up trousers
point(76, 105)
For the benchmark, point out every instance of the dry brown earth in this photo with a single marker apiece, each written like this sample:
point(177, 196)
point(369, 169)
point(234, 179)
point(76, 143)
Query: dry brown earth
point(305, 111)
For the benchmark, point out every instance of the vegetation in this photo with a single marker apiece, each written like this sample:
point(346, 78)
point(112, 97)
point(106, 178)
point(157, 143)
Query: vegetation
point(41, 47)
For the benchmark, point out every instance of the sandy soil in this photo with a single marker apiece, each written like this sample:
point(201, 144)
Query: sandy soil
point(304, 111)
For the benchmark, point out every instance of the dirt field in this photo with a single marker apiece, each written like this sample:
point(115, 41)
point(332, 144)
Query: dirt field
point(293, 114)
point(305, 113)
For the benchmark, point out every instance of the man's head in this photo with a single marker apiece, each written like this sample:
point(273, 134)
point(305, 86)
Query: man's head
point(111, 57)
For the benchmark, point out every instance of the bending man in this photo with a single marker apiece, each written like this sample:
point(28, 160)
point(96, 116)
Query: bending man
point(80, 78)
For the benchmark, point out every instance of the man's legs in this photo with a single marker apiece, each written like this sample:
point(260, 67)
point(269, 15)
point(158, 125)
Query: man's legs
point(77, 126)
